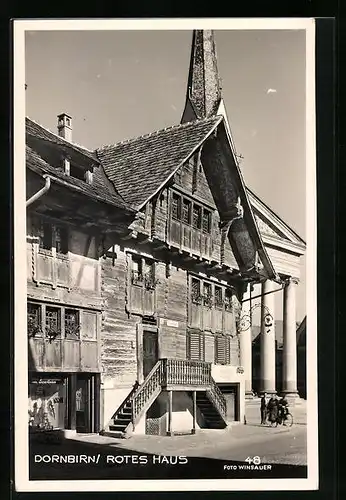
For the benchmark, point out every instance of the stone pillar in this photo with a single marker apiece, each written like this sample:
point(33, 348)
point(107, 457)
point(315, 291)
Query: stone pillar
point(245, 342)
point(289, 361)
point(267, 339)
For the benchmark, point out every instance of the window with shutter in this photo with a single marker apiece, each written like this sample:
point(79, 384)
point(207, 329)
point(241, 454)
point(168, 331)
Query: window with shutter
point(222, 350)
point(195, 346)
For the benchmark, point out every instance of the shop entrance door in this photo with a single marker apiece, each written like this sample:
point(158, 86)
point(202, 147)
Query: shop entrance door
point(83, 403)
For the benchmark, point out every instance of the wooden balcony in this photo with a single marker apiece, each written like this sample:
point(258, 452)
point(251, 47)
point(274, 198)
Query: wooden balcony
point(182, 374)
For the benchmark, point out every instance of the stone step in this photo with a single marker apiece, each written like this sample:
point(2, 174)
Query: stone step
point(117, 427)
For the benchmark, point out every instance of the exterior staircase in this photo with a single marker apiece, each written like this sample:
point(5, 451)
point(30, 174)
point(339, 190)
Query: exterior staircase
point(212, 416)
point(122, 419)
point(171, 375)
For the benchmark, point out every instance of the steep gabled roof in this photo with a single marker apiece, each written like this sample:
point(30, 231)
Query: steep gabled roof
point(35, 131)
point(100, 189)
point(139, 167)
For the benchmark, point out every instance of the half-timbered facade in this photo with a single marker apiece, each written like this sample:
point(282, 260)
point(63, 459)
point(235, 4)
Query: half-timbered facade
point(140, 258)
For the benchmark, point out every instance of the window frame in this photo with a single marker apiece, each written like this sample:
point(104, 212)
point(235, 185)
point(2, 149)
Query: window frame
point(48, 238)
point(177, 212)
point(77, 333)
point(81, 173)
point(145, 278)
point(38, 330)
point(58, 333)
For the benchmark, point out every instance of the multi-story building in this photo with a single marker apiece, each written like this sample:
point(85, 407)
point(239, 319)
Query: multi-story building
point(141, 256)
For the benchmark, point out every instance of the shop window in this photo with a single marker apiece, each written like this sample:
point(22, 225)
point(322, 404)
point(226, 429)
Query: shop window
point(72, 324)
point(53, 322)
point(34, 319)
point(196, 346)
point(222, 350)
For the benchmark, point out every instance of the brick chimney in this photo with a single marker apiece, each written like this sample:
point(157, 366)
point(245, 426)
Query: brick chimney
point(65, 126)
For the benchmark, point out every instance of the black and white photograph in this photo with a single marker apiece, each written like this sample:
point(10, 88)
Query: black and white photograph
point(165, 255)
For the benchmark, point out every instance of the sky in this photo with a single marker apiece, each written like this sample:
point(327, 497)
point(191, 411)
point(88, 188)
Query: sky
point(122, 84)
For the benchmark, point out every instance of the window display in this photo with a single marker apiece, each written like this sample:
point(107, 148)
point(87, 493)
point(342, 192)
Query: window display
point(47, 401)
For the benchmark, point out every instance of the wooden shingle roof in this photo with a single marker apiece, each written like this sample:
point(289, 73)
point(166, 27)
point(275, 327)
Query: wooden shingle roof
point(139, 167)
point(100, 189)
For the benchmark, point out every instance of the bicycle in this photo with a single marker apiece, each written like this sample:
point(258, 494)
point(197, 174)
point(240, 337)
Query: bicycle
point(286, 420)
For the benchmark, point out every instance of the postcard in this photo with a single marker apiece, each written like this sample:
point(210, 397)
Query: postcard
point(165, 255)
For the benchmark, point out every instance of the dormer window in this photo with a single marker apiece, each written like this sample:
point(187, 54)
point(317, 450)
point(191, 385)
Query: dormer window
point(77, 172)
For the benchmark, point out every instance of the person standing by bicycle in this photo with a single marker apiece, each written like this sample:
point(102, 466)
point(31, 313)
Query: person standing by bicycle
point(283, 408)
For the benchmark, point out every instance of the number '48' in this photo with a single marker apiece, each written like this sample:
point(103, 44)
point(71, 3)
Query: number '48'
point(253, 460)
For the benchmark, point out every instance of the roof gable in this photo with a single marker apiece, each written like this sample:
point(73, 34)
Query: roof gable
point(139, 167)
point(272, 227)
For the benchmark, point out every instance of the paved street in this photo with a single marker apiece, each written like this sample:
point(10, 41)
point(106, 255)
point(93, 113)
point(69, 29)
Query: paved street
point(208, 454)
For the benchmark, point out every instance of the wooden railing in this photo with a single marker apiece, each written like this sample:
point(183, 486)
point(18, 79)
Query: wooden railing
point(145, 392)
point(217, 398)
point(168, 372)
point(185, 372)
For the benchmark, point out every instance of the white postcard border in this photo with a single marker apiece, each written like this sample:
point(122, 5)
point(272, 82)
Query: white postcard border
point(21, 451)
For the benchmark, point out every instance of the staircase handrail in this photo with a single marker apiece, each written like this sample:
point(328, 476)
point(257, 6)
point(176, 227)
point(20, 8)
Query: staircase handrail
point(218, 398)
point(143, 393)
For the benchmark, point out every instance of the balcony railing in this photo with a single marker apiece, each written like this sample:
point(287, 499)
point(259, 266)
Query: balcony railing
point(185, 372)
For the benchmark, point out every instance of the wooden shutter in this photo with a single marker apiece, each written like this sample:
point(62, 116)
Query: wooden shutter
point(195, 346)
point(222, 350)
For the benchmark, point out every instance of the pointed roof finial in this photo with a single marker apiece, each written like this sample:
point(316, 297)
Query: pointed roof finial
point(204, 90)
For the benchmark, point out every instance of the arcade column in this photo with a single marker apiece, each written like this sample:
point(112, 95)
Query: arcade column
point(289, 385)
point(267, 339)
